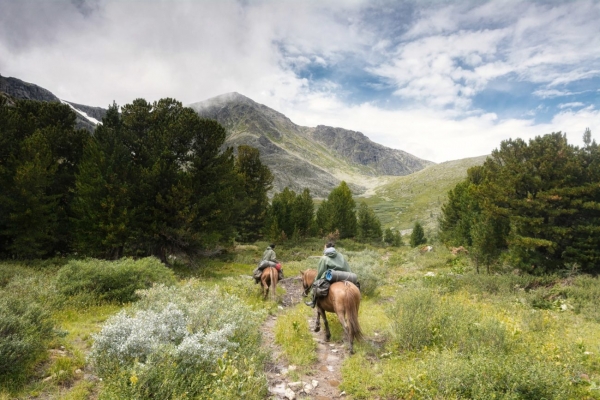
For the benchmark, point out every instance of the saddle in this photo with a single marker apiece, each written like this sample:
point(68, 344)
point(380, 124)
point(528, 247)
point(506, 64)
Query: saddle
point(256, 274)
point(322, 285)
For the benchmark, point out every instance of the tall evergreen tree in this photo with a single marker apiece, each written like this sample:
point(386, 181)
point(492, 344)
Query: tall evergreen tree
point(417, 237)
point(167, 186)
point(303, 211)
point(338, 212)
point(257, 181)
point(369, 226)
point(104, 188)
point(39, 154)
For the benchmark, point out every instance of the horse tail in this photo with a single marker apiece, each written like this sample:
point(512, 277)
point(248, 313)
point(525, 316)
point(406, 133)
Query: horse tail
point(351, 304)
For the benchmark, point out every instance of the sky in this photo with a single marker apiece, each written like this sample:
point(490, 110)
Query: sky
point(442, 80)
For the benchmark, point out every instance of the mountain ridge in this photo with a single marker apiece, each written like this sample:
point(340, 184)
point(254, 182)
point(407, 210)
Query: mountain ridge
point(300, 157)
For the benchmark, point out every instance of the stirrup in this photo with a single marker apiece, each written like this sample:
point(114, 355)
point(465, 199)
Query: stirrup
point(310, 304)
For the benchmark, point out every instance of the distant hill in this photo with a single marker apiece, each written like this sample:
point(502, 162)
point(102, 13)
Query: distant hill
point(86, 117)
point(318, 158)
point(418, 197)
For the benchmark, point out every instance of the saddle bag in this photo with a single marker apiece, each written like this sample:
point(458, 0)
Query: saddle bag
point(337, 276)
point(321, 287)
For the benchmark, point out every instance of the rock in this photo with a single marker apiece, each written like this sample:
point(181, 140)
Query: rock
point(289, 394)
point(315, 383)
point(295, 385)
point(78, 371)
point(308, 388)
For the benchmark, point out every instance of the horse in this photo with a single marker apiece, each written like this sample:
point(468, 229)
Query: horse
point(268, 280)
point(344, 300)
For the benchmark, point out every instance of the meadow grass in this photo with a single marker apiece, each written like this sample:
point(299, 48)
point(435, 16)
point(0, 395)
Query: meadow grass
point(433, 327)
point(292, 333)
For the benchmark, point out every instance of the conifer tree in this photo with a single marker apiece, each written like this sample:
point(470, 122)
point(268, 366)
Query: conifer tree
point(39, 153)
point(303, 211)
point(417, 237)
point(339, 212)
point(369, 226)
point(257, 181)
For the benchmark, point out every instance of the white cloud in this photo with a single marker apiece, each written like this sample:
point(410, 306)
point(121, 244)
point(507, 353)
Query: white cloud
point(193, 50)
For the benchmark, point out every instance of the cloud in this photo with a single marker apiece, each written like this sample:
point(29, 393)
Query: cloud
point(435, 58)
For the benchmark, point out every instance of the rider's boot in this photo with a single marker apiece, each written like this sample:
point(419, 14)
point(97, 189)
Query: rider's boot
point(314, 299)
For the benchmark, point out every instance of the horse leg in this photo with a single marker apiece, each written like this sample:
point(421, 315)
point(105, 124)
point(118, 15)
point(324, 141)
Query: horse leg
point(327, 332)
point(341, 314)
point(318, 323)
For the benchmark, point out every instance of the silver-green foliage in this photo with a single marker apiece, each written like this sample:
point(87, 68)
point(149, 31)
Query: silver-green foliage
point(366, 264)
point(181, 340)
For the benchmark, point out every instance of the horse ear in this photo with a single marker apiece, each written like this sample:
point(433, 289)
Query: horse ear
point(302, 273)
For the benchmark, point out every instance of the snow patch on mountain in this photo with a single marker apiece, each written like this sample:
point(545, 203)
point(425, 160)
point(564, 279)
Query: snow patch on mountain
point(83, 114)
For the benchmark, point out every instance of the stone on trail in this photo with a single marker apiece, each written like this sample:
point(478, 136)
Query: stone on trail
point(294, 385)
point(315, 383)
point(289, 394)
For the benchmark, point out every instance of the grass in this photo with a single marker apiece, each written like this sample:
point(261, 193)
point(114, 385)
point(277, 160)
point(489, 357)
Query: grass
point(419, 196)
point(503, 335)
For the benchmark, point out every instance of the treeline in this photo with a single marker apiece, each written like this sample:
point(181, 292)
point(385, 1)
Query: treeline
point(153, 179)
point(292, 216)
point(535, 206)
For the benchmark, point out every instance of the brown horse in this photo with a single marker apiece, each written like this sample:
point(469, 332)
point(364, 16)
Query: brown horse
point(344, 300)
point(268, 280)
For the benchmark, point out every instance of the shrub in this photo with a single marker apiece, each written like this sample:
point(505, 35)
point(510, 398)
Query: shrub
point(112, 280)
point(25, 329)
point(181, 341)
point(423, 320)
point(366, 264)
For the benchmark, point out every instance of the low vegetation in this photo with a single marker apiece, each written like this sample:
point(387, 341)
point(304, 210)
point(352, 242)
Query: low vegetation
point(434, 329)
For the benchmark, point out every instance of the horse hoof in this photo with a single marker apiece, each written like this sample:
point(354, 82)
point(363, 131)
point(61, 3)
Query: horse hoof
point(317, 328)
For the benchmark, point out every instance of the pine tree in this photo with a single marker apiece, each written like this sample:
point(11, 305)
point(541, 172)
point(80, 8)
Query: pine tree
point(257, 181)
point(303, 211)
point(368, 225)
point(341, 212)
point(39, 154)
point(103, 196)
point(417, 237)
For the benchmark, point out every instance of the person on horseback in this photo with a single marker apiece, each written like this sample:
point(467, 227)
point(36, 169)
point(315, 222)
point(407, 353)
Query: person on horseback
point(331, 260)
point(269, 256)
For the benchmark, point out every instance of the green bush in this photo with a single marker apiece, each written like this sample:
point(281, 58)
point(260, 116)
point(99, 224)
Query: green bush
point(420, 319)
point(112, 280)
point(25, 329)
point(366, 264)
point(181, 342)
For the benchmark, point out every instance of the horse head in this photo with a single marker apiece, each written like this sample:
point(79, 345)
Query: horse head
point(308, 277)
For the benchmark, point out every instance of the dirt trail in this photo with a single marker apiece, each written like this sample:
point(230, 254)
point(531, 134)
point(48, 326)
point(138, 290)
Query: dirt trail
point(324, 380)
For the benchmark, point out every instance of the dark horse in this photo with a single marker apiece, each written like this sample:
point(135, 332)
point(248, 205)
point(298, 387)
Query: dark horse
point(268, 280)
point(344, 300)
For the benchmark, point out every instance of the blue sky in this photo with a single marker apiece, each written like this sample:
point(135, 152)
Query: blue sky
point(442, 80)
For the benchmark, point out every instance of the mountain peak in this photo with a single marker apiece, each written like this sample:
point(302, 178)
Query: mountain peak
point(222, 100)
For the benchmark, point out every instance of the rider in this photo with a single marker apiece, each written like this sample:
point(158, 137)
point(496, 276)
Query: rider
point(331, 259)
point(269, 255)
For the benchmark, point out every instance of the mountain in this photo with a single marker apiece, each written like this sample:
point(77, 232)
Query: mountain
point(318, 158)
point(86, 117)
point(403, 200)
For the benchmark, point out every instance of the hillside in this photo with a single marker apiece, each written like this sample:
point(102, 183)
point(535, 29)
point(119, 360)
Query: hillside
point(318, 158)
point(419, 196)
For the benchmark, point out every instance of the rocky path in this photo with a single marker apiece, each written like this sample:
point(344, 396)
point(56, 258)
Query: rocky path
point(324, 379)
